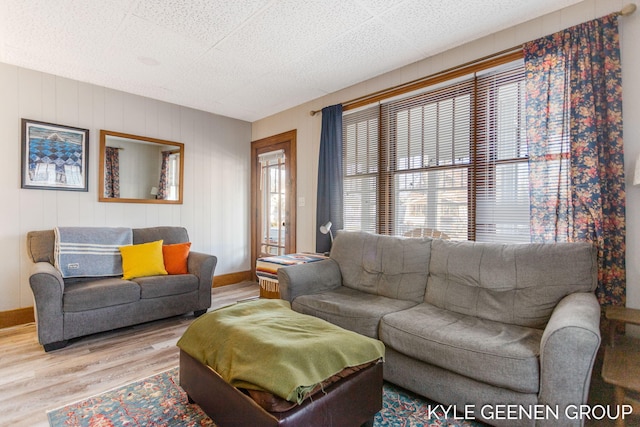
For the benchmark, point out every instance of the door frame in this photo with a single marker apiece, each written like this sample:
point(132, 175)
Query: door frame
point(287, 142)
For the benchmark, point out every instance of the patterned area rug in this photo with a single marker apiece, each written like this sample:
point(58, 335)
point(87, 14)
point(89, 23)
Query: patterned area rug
point(159, 401)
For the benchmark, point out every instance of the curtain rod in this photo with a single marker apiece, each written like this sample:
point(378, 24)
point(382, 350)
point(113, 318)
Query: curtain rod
point(369, 98)
point(489, 60)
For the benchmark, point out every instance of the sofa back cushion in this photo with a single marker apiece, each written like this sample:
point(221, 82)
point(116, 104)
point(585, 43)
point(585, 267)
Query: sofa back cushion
point(394, 267)
point(168, 234)
point(40, 244)
point(518, 284)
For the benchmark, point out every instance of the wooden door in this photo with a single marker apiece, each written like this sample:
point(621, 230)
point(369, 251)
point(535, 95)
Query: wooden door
point(273, 190)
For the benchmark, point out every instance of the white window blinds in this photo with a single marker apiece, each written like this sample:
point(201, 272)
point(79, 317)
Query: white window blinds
point(502, 169)
point(361, 169)
point(452, 160)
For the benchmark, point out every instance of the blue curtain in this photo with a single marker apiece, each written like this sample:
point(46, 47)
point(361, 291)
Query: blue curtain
point(329, 206)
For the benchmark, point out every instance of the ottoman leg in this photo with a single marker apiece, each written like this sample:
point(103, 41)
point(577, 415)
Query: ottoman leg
point(369, 423)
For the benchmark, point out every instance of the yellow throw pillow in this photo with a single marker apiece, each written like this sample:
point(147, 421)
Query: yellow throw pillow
point(142, 260)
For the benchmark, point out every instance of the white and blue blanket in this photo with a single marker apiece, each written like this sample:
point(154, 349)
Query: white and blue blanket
point(90, 251)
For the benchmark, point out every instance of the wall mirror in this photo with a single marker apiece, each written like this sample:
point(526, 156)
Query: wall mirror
point(139, 169)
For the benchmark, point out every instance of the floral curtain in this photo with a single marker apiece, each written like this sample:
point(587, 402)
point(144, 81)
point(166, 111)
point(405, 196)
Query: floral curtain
point(574, 131)
point(112, 172)
point(163, 186)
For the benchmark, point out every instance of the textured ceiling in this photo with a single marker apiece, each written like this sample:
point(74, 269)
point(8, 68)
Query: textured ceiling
point(245, 59)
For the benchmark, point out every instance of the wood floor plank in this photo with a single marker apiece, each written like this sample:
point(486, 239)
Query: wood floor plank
point(33, 382)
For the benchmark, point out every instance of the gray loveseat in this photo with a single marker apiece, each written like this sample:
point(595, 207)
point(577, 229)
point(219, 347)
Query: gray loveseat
point(75, 307)
point(474, 325)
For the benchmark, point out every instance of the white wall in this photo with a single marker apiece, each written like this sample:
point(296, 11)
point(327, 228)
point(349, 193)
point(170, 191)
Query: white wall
point(308, 127)
point(216, 177)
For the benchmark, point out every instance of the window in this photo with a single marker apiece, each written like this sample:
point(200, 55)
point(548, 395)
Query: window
point(173, 177)
point(453, 159)
point(361, 143)
point(273, 198)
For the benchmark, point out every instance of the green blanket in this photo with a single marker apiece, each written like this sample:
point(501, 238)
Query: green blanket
point(264, 345)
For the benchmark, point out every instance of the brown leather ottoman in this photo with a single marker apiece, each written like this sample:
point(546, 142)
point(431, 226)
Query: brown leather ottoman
point(352, 401)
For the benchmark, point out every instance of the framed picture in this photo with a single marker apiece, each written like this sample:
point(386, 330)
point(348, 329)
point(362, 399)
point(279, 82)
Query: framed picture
point(54, 157)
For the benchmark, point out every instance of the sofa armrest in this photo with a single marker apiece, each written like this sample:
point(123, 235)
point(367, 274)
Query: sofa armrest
point(203, 266)
point(47, 286)
point(568, 350)
point(310, 278)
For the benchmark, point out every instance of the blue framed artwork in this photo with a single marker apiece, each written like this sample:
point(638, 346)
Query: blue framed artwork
point(54, 157)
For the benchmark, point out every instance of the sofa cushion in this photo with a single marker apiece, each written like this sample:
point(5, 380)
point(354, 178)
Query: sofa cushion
point(162, 286)
point(142, 260)
point(492, 352)
point(85, 295)
point(168, 234)
point(388, 266)
point(40, 245)
point(349, 308)
point(511, 283)
point(175, 257)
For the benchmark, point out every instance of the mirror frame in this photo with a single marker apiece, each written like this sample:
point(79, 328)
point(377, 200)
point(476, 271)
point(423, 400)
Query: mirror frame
point(103, 144)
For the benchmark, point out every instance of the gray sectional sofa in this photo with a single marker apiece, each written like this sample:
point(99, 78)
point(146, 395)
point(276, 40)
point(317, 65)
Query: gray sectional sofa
point(75, 307)
point(484, 327)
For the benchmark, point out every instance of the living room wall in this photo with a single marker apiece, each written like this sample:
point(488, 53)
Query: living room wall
point(308, 127)
point(216, 176)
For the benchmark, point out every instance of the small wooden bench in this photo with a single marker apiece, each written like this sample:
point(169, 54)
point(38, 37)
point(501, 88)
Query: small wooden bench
point(621, 366)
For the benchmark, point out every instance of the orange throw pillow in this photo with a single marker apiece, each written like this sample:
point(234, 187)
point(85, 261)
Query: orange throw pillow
point(175, 257)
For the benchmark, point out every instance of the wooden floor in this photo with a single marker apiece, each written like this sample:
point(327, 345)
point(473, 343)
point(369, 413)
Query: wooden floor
point(33, 382)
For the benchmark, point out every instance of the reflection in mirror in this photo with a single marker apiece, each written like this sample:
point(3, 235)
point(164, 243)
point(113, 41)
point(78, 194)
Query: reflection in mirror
point(138, 169)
